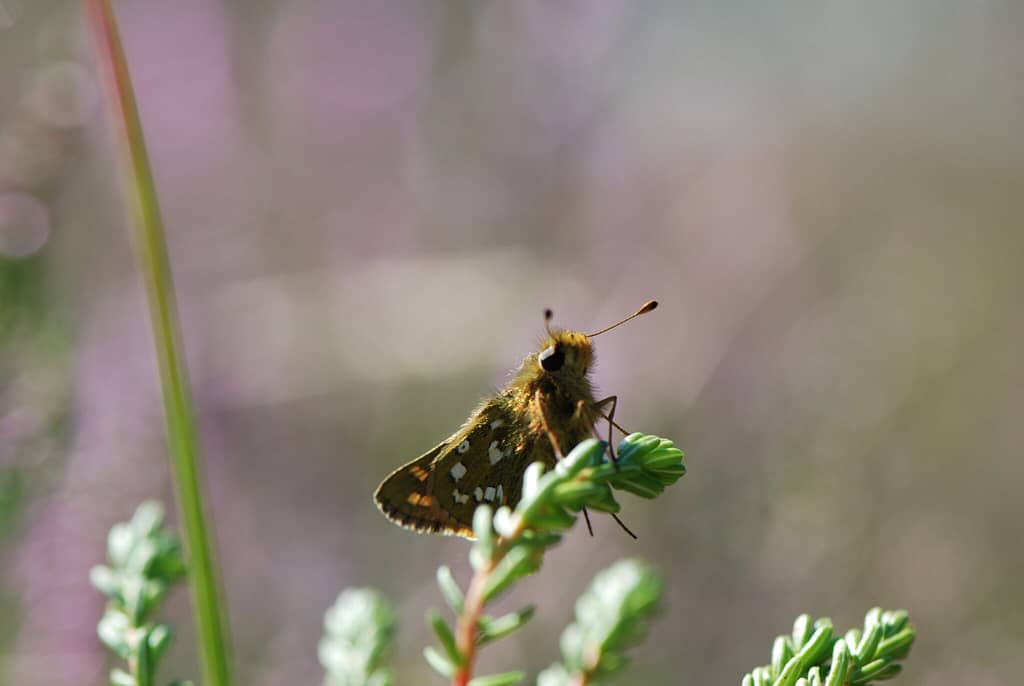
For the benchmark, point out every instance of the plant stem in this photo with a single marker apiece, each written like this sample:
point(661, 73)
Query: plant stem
point(469, 621)
point(151, 252)
point(468, 624)
point(142, 675)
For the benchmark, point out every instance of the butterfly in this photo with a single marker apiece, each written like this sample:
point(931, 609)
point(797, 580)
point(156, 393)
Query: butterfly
point(547, 408)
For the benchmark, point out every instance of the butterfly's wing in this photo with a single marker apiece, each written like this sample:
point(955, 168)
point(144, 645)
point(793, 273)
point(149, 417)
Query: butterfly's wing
point(483, 462)
point(405, 496)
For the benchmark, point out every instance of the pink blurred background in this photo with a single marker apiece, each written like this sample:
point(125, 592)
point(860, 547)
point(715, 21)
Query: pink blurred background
point(369, 205)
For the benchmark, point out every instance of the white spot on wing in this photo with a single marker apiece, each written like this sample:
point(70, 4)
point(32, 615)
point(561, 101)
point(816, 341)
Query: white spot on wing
point(496, 453)
point(458, 471)
point(497, 424)
point(463, 447)
point(478, 494)
point(500, 495)
point(460, 498)
point(489, 494)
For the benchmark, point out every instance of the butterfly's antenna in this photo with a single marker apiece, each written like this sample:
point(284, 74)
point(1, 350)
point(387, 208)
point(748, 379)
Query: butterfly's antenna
point(548, 314)
point(648, 306)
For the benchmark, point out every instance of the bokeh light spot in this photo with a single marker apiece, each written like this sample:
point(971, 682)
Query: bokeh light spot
point(64, 95)
point(10, 12)
point(24, 225)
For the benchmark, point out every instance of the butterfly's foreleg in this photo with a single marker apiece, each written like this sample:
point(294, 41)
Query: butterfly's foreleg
point(598, 407)
point(538, 398)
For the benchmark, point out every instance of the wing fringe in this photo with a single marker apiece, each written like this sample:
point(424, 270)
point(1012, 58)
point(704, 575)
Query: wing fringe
point(423, 524)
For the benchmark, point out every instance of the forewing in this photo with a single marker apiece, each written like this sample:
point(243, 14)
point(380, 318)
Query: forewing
point(481, 463)
point(496, 449)
point(477, 470)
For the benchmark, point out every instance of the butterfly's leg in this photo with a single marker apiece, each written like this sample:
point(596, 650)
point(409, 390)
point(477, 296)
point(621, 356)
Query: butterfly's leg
point(541, 410)
point(624, 527)
point(614, 400)
point(538, 398)
point(586, 518)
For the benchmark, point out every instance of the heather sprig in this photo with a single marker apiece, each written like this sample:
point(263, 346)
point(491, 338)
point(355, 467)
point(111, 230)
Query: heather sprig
point(510, 543)
point(358, 630)
point(611, 615)
point(814, 655)
point(143, 563)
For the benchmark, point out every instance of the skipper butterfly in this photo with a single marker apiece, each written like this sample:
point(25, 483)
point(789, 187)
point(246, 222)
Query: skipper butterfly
point(547, 407)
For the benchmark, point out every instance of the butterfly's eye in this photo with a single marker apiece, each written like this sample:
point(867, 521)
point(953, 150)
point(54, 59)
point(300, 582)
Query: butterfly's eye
point(552, 358)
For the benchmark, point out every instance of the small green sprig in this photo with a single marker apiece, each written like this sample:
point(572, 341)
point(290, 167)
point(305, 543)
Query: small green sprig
point(510, 544)
point(815, 656)
point(358, 630)
point(143, 562)
point(611, 616)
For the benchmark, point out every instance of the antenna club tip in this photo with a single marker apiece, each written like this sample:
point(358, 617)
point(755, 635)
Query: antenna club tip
point(648, 306)
point(548, 314)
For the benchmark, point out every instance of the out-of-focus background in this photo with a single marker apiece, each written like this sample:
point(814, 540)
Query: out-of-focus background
point(369, 205)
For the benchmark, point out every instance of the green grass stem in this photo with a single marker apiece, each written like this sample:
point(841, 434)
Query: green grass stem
point(151, 251)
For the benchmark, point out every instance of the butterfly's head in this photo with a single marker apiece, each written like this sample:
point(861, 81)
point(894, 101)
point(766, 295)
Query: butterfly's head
point(566, 353)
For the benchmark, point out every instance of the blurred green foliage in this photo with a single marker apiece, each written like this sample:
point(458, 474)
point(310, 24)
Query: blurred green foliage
point(358, 630)
point(814, 655)
point(143, 562)
point(611, 615)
